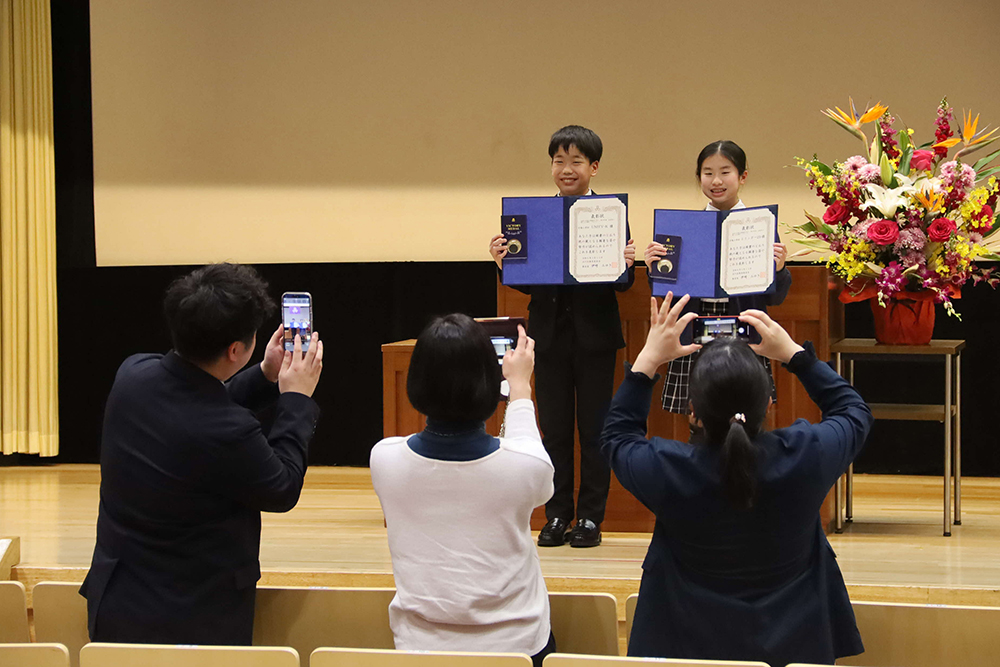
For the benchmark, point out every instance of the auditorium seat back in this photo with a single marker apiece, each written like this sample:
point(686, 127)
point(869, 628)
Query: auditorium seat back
point(926, 635)
point(561, 660)
point(307, 618)
point(630, 603)
point(34, 655)
point(60, 616)
point(585, 622)
point(13, 613)
point(157, 655)
point(346, 657)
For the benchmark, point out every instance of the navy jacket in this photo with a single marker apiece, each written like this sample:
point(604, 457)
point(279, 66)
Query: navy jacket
point(724, 584)
point(185, 473)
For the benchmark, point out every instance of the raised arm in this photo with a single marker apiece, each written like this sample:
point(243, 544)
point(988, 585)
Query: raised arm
point(846, 417)
point(636, 461)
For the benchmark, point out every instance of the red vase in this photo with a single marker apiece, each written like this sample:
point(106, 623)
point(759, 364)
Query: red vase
point(906, 319)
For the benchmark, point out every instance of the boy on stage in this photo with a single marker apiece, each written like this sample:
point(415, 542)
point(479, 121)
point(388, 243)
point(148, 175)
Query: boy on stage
point(577, 332)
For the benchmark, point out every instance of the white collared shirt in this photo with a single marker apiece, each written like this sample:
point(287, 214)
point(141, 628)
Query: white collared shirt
point(738, 204)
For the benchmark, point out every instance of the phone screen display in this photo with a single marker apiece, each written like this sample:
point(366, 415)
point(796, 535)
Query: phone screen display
point(296, 316)
point(707, 329)
point(501, 344)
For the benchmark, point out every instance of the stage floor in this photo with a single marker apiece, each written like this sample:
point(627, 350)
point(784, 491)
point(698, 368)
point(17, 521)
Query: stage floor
point(894, 550)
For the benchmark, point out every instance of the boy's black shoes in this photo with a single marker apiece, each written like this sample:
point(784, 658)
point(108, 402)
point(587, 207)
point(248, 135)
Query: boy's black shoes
point(585, 533)
point(554, 534)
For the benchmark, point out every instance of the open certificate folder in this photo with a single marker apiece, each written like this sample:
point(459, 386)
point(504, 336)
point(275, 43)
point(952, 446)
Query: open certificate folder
point(565, 240)
point(716, 254)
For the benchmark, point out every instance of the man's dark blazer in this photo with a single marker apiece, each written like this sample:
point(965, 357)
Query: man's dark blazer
point(185, 473)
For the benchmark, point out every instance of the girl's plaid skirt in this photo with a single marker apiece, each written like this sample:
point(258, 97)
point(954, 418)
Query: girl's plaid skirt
point(675, 388)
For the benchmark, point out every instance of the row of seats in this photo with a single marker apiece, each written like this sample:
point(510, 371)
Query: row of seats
point(144, 655)
point(309, 618)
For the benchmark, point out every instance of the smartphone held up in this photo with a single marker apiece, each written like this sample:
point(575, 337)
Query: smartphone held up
point(297, 318)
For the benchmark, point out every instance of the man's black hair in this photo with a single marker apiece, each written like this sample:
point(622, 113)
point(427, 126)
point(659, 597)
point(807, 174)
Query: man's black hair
point(214, 306)
point(586, 141)
point(454, 374)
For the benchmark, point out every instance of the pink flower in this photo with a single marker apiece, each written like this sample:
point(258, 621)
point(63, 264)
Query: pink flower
point(912, 257)
point(940, 230)
point(854, 163)
point(961, 177)
point(910, 238)
point(869, 173)
point(891, 280)
point(883, 232)
point(922, 160)
point(836, 213)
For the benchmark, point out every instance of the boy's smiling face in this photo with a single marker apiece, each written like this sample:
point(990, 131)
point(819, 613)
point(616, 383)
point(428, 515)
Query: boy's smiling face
point(572, 171)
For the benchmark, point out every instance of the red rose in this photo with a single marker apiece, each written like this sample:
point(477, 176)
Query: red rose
point(883, 232)
point(940, 230)
point(922, 160)
point(836, 214)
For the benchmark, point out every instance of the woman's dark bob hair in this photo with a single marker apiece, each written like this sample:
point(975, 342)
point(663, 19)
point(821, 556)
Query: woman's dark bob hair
point(454, 374)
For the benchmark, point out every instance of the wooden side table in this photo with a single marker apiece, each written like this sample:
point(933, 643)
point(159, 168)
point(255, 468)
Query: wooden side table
point(950, 412)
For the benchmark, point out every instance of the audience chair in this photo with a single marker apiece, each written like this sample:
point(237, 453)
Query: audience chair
point(585, 623)
point(13, 613)
point(34, 655)
point(560, 660)
point(926, 635)
point(346, 657)
point(630, 603)
point(61, 616)
point(307, 618)
point(158, 655)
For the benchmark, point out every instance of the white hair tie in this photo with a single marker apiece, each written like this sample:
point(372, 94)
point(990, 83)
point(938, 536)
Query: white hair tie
point(739, 417)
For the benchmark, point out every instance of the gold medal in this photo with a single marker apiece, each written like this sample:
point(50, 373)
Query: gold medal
point(513, 247)
point(664, 266)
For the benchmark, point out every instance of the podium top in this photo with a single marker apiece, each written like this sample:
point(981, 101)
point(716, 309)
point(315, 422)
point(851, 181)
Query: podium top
point(871, 346)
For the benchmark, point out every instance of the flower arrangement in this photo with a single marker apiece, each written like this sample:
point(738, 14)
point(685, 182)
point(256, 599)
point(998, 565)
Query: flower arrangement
point(901, 218)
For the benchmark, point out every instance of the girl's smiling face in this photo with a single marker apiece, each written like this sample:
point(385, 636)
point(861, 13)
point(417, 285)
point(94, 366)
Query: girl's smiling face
point(721, 182)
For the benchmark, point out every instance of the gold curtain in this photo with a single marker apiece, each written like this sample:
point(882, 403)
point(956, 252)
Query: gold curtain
point(29, 405)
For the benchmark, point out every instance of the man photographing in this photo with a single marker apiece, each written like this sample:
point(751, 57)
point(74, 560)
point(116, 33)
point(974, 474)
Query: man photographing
point(186, 469)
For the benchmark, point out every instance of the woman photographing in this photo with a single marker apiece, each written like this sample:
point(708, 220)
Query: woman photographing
point(458, 501)
point(739, 567)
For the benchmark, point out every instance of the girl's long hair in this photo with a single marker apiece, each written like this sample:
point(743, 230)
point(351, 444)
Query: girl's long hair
point(729, 392)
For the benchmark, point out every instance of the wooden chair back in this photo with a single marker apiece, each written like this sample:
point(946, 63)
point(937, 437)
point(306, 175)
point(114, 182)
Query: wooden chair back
point(13, 613)
point(918, 635)
point(158, 655)
point(585, 623)
point(34, 655)
point(307, 618)
point(61, 616)
point(346, 657)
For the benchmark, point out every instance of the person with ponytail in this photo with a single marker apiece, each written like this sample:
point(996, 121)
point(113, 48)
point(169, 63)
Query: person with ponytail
point(738, 567)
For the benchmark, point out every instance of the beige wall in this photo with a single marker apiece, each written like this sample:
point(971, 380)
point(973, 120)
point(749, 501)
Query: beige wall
point(326, 131)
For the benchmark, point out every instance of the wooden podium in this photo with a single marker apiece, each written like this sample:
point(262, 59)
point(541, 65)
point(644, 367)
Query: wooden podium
point(810, 312)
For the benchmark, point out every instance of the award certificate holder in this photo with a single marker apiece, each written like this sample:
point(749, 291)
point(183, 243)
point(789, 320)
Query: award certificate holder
point(573, 240)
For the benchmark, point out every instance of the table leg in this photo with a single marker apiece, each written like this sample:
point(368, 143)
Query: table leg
point(957, 437)
point(947, 446)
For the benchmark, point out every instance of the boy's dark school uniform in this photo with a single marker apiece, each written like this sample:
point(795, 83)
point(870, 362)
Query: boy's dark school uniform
point(578, 332)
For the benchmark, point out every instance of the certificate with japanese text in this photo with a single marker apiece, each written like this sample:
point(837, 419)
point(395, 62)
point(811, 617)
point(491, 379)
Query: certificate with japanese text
point(573, 240)
point(597, 238)
point(746, 261)
point(725, 253)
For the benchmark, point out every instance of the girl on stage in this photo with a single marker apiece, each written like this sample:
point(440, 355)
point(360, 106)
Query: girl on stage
point(722, 171)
